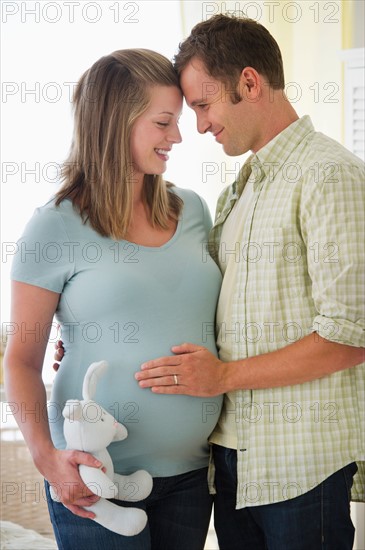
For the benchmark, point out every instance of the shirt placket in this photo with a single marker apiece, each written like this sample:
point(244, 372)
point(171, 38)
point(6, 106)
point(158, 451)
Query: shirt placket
point(245, 398)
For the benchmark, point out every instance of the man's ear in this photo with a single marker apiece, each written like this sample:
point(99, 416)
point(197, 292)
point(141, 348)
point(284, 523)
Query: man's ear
point(250, 85)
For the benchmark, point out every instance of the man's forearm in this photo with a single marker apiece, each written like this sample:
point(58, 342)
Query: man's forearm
point(193, 370)
point(308, 359)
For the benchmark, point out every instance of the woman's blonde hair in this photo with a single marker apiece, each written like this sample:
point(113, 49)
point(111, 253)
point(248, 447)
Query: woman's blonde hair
point(98, 174)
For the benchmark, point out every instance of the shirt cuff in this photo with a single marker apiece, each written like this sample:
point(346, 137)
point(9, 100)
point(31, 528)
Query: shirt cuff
point(341, 331)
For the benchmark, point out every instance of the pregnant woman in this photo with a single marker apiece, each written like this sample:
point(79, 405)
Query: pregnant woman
point(118, 256)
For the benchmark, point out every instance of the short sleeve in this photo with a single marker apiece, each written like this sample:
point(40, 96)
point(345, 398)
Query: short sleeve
point(43, 255)
point(207, 218)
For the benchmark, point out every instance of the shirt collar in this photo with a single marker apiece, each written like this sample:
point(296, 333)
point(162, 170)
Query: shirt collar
point(266, 163)
point(270, 158)
point(243, 176)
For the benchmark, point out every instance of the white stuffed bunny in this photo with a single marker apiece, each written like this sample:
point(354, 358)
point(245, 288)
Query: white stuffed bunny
point(90, 428)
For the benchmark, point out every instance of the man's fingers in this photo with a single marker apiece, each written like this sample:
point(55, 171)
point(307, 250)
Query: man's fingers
point(58, 354)
point(186, 348)
point(170, 361)
point(167, 390)
point(163, 375)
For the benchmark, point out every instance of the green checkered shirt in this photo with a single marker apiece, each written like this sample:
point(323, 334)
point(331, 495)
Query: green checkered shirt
point(300, 270)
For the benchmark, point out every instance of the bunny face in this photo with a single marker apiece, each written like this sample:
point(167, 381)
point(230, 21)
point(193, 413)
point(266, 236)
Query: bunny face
point(88, 427)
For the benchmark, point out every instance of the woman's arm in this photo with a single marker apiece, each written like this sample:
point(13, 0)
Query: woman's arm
point(32, 312)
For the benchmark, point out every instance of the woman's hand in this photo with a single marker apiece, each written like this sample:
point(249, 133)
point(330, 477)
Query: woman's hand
point(61, 469)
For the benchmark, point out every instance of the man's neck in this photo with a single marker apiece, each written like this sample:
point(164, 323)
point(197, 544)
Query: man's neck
point(277, 115)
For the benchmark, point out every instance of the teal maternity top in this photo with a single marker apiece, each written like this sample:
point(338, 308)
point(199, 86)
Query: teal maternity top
point(127, 303)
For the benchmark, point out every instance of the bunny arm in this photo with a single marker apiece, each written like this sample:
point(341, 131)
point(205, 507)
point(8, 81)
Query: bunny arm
point(135, 487)
point(98, 482)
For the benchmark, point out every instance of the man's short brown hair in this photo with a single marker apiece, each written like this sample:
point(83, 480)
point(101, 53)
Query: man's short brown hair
point(228, 44)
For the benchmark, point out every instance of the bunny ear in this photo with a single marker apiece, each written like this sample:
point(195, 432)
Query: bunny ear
point(93, 373)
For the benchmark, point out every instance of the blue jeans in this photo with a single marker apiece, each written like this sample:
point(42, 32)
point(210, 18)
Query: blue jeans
point(317, 520)
point(178, 510)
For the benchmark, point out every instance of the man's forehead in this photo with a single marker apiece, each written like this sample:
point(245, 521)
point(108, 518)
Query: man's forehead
point(195, 81)
point(195, 68)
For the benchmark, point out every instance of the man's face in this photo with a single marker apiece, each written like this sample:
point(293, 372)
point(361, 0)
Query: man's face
point(232, 125)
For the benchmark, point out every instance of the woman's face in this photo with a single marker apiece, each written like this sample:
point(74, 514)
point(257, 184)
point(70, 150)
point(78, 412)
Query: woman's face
point(156, 131)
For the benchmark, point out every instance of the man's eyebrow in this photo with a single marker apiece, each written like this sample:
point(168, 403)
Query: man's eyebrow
point(197, 102)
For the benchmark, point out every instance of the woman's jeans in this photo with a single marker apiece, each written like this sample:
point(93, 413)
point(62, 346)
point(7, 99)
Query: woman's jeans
point(178, 511)
point(317, 520)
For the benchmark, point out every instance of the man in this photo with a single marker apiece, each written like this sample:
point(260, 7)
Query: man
point(288, 237)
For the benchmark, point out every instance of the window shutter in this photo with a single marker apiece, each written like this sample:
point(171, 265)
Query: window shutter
point(354, 111)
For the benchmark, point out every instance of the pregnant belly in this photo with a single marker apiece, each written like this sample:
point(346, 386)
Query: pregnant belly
point(167, 435)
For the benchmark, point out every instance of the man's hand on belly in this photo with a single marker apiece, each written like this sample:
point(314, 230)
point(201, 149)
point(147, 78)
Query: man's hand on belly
point(193, 370)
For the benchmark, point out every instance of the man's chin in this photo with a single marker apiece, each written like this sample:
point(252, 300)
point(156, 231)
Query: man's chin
point(231, 152)
point(234, 149)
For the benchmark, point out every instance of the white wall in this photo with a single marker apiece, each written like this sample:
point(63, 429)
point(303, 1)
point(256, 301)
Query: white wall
point(46, 46)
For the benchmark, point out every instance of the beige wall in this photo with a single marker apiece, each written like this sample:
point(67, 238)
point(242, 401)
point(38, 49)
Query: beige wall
point(311, 37)
point(310, 48)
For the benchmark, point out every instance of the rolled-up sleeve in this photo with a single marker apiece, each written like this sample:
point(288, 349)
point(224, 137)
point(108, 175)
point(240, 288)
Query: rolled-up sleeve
point(335, 253)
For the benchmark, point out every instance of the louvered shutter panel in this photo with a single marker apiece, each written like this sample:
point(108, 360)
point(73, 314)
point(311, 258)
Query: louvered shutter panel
point(354, 101)
point(358, 118)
